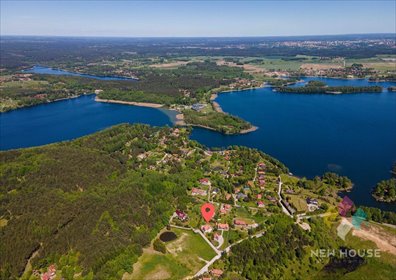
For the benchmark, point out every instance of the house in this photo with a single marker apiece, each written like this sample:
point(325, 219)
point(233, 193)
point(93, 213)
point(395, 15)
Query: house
point(52, 270)
point(50, 274)
point(216, 272)
point(246, 188)
point(228, 196)
point(241, 196)
point(181, 215)
point(216, 236)
point(261, 165)
point(223, 227)
point(215, 191)
point(289, 191)
point(239, 222)
point(196, 191)
point(312, 201)
point(206, 278)
point(260, 204)
point(271, 198)
point(204, 181)
point(198, 106)
point(259, 196)
point(206, 228)
point(345, 206)
point(237, 190)
point(225, 208)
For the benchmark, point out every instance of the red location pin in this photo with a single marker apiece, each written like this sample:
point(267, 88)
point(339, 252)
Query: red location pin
point(207, 211)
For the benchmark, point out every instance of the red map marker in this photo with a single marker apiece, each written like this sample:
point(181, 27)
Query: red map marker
point(207, 211)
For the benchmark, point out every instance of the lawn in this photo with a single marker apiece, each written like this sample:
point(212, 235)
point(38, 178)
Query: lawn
point(154, 265)
point(299, 203)
point(185, 257)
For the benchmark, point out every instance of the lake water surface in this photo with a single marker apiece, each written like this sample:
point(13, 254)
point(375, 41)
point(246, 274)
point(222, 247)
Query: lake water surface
point(351, 134)
point(37, 69)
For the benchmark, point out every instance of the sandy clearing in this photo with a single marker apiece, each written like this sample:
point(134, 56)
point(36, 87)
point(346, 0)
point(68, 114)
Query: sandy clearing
point(142, 104)
point(170, 64)
point(384, 241)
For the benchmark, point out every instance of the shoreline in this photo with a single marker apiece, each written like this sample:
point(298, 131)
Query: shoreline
point(141, 104)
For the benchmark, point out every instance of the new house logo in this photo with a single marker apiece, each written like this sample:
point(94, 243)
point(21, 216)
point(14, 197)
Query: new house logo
point(345, 208)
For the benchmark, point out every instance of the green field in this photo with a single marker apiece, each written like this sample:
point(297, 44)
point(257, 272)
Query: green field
point(185, 257)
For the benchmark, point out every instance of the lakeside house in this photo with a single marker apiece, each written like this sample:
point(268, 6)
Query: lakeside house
point(225, 208)
point(223, 227)
point(345, 206)
point(312, 201)
point(181, 215)
point(239, 222)
point(198, 107)
point(216, 236)
point(196, 191)
point(50, 274)
point(216, 272)
point(204, 181)
point(261, 165)
point(206, 228)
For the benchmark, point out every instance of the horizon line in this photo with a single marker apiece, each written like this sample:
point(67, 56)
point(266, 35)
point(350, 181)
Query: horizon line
point(216, 36)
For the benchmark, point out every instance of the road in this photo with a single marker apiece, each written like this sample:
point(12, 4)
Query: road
point(219, 253)
point(284, 209)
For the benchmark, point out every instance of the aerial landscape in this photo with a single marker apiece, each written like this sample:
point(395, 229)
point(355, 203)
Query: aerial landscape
point(198, 140)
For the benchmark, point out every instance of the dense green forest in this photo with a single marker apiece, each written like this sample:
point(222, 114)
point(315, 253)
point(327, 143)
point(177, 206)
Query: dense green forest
point(284, 242)
point(184, 85)
point(85, 196)
point(17, 52)
point(320, 87)
point(385, 190)
point(379, 216)
point(221, 122)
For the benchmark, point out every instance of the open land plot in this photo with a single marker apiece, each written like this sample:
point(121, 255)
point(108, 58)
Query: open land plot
point(186, 255)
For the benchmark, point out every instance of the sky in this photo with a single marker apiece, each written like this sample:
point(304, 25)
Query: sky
point(196, 18)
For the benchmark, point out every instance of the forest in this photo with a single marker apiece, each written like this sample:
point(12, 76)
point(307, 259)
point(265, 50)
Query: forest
point(224, 123)
point(18, 52)
point(269, 256)
point(313, 87)
point(85, 197)
point(185, 85)
point(385, 190)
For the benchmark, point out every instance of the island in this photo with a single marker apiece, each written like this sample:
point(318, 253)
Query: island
point(125, 203)
point(313, 87)
point(385, 190)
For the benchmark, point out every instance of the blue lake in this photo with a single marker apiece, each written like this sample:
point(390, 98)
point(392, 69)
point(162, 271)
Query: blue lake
point(351, 134)
point(51, 71)
point(69, 119)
